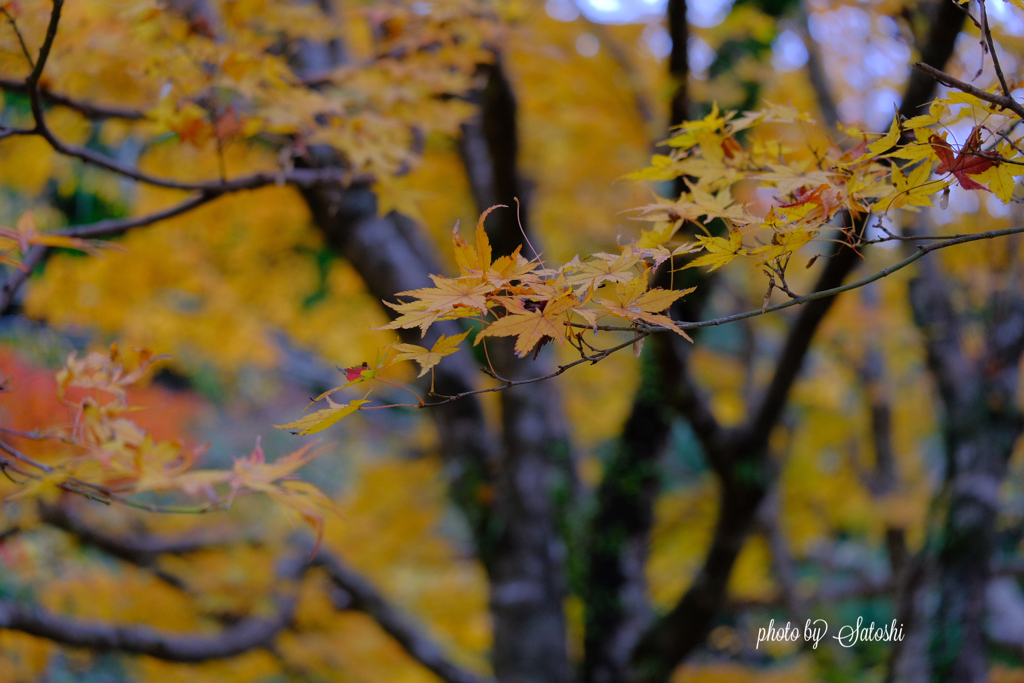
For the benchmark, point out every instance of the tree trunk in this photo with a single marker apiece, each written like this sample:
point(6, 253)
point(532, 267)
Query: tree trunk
point(982, 424)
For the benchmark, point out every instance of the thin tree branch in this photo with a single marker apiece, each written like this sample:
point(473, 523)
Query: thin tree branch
point(777, 392)
point(1003, 101)
point(139, 549)
point(143, 550)
point(248, 634)
point(18, 276)
point(32, 82)
point(304, 178)
point(87, 109)
point(986, 34)
point(408, 634)
point(21, 38)
point(106, 228)
point(813, 296)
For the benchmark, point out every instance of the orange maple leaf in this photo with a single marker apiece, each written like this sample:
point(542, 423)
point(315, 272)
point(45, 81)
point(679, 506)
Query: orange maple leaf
point(633, 301)
point(531, 321)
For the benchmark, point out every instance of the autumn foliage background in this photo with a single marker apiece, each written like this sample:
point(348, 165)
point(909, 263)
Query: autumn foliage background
point(556, 531)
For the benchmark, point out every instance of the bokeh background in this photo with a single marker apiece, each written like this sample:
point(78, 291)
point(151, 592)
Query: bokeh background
point(256, 305)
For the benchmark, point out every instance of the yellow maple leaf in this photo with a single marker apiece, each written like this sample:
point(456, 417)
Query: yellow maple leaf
point(322, 419)
point(444, 346)
point(476, 259)
point(633, 301)
point(531, 322)
point(452, 298)
point(721, 250)
point(1000, 179)
point(911, 190)
point(452, 292)
point(934, 115)
point(887, 141)
point(601, 268)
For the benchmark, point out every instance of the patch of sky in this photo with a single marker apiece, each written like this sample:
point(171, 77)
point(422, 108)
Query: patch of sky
point(701, 13)
point(880, 107)
point(878, 227)
point(700, 56)
point(708, 13)
point(657, 40)
point(995, 207)
point(964, 201)
point(1001, 14)
point(562, 10)
point(788, 51)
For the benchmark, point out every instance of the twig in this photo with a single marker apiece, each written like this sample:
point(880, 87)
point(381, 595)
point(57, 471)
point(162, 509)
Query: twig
point(1003, 101)
point(32, 82)
point(21, 38)
point(107, 228)
point(641, 331)
point(806, 298)
point(410, 635)
point(986, 33)
point(86, 109)
point(248, 634)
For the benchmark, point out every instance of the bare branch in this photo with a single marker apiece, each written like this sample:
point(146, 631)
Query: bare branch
point(143, 550)
point(986, 34)
point(32, 82)
point(18, 276)
point(138, 549)
point(86, 109)
point(408, 634)
point(21, 38)
point(248, 634)
point(1002, 101)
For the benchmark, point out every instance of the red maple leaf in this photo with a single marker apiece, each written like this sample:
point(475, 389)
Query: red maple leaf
point(969, 161)
point(356, 371)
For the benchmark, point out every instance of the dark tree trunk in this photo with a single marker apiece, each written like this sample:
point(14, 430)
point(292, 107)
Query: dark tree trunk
point(981, 426)
point(536, 475)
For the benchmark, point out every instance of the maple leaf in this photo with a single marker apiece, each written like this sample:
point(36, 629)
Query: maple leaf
point(790, 179)
point(358, 373)
point(911, 190)
point(783, 244)
point(438, 303)
point(472, 259)
point(660, 254)
point(816, 205)
point(633, 301)
point(601, 268)
point(661, 233)
point(418, 314)
point(452, 292)
point(694, 132)
point(1000, 179)
point(887, 141)
point(969, 161)
point(935, 113)
point(322, 419)
point(308, 503)
point(722, 250)
point(531, 321)
point(444, 346)
point(103, 371)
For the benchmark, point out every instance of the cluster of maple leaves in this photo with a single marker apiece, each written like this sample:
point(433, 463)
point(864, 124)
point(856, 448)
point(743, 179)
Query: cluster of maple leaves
point(812, 190)
point(103, 454)
point(228, 84)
